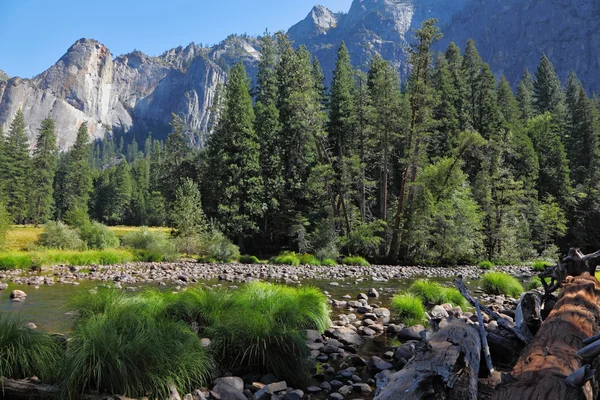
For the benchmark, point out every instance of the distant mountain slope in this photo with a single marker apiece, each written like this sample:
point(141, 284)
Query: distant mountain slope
point(3, 76)
point(136, 94)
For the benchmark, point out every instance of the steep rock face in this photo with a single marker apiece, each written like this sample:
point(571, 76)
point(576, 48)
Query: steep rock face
point(131, 92)
point(371, 27)
point(512, 34)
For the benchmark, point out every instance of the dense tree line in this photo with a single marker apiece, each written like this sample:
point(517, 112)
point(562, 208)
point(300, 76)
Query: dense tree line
point(449, 166)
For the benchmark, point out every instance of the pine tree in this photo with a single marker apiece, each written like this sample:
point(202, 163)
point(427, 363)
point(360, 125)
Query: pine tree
point(2, 166)
point(44, 164)
point(471, 70)
point(78, 182)
point(186, 216)
point(233, 159)
point(268, 128)
point(319, 80)
point(455, 62)
point(177, 151)
point(17, 166)
point(422, 101)
point(444, 111)
point(508, 105)
point(583, 141)
point(547, 91)
point(525, 97)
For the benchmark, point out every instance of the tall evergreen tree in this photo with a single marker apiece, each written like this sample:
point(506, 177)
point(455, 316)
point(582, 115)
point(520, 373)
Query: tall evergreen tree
point(547, 90)
point(421, 103)
point(44, 164)
point(525, 97)
point(471, 70)
point(17, 166)
point(444, 111)
point(508, 105)
point(233, 159)
point(455, 62)
point(78, 183)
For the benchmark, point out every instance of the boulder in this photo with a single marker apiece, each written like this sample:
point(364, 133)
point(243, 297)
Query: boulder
point(376, 364)
point(18, 294)
point(234, 381)
point(411, 333)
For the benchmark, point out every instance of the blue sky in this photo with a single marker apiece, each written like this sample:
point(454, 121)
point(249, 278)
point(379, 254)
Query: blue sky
point(34, 34)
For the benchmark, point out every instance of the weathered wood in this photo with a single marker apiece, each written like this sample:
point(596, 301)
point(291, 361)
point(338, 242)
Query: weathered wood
point(446, 371)
point(528, 314)
point(542, 370)
point(525, 337)
point(483, 337)
point(26, 389)
point(576, 263)
point(504, 351)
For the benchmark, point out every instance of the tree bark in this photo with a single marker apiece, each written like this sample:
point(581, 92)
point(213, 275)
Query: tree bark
point(549, 367)
point(446, 371)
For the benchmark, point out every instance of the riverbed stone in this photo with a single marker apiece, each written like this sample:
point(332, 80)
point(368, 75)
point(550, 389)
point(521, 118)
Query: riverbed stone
point(227, 392)
point(234, 381)
point(411, 333)
point(345, 390)
point(3, 286)
point(373, 293)
point(362, 388)
point(438, 312)
point(18, 294)
point(376, 364)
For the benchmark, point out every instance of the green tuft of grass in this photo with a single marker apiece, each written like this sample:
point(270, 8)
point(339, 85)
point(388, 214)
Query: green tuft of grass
point(328, 262)
point(486, 265)
point(434, 293)
point(25, 260)
point(355, 261)
point(27, 352)
point(309, 259)
point(501, 283)
point(128, 345)
point(410, 309)
point(249, 260)
point(286, 258)
point(541, 265)
point(534, 283)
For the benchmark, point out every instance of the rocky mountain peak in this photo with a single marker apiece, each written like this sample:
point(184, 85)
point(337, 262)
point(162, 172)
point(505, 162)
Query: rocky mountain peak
point(318, 22)
point(181, 57)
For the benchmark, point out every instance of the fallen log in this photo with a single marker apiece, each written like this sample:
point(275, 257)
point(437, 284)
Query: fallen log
point(446, 371)
point(528, 314)
point(549, 367)
point(26, 389)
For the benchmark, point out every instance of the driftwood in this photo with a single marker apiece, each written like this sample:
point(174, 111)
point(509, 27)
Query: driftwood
point(503, 350)
point(528, 314)
point(549, 367)
point(446, 371)
point(483, 336)
point(26, 389)
point(525, 337)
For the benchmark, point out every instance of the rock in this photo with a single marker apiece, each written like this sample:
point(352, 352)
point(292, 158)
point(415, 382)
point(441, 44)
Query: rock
point(268, 379)
point(276, 387)
point(348, 336)
point(362, 388)
point(336, 396)
point(291, 396)
point(373, 293)
point(228, 392)
point(361, 296)
point(345, 390)
point(313, 389)
point(205, 342)
point(438, 312)
point(30, 325)
point(18, 294)
point(412, 333)
point(313, 336)
point(335, 384)
point(234, 381)
point(376, 364)
point(406, 351)
point(3, 286)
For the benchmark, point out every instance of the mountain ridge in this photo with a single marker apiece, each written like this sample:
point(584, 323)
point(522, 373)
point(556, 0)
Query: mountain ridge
point(135, 93)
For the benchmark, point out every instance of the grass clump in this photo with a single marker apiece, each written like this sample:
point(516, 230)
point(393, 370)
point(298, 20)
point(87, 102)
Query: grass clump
point(249, 260)
point(309, 259)
point(128, 345)
point(434, 293)
point(151, 246)
point(27, 352)
point(501, 283)
point(534, 283)
point(355, 261)
point(57, 235)
point(286, 258)
point(410, 309)
point(541, 265)
point(15, 260)
point(25, 260)
point(216, 245)
point(328, 262)
point(486, 265)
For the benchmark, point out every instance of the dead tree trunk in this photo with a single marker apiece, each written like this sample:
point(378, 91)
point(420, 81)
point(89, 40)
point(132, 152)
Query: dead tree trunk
point(447, 371)
point(549, 368)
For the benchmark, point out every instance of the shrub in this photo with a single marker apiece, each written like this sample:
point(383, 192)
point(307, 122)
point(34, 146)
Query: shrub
point(486, 265)
point(501, 283)
point(356, 261)
point(410, 309)
point(98, 236)
point(4, 225)
point(57, 235)
point(286, 258)
point(132, 349)
point(249, 260)
point(187, 244)
point(541, 265)
point(328, 262)
point(216, 245)
point(309, 259)
point(151, 246)
point(534, 283)
point(26, 352)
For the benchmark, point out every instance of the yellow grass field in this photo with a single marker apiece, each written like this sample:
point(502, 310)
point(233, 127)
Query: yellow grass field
point(23, 237)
